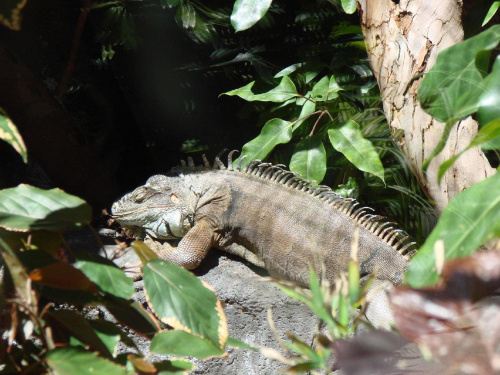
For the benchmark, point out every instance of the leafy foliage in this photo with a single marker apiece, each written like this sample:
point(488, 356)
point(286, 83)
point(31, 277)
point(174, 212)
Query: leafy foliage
point(65, 341)
point(471, 219)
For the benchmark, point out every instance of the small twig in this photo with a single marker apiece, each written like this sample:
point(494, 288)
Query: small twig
point(75, 44)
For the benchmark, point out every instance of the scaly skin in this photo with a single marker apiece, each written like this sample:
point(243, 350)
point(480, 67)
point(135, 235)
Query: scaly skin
point(265, 214)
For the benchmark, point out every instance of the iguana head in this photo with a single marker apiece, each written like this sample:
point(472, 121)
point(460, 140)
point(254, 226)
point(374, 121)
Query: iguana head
point(158, 208)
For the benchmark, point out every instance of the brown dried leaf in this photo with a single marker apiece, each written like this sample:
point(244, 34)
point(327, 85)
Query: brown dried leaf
point(62, 275)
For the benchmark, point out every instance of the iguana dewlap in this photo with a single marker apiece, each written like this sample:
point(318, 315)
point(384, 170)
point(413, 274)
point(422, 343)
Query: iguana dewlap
point(265, 214)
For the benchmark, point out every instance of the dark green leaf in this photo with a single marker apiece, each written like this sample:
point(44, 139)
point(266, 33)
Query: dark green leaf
point(107, 276)
point(169, 3)
point(77, 361)
point(26, 208)
point(184, 344)
point(309, 159)
point(78, 327)
point(452, 88)
point(181, 300)
point(274, 132)
point(247, 13)
point(133, 315)
point(470, 219)
point(10, 134)
point(348, 139)
point(174, 367)
point(188, 15)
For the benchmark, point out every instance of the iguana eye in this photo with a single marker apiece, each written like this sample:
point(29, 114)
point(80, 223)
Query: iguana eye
point(174, 198)
point(139, 195)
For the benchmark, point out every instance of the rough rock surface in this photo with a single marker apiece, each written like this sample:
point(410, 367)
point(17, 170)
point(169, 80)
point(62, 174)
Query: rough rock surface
point(246, 299)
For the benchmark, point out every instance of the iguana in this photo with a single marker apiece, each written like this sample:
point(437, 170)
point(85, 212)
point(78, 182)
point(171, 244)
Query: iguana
point(268, 215)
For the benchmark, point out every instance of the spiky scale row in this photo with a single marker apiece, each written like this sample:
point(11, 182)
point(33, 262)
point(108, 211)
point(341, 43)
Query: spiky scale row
point(278, 174)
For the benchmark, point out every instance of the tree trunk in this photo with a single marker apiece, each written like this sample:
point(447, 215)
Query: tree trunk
point(404, 40)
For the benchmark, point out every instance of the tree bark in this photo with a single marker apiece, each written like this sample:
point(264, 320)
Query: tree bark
point(402, 41)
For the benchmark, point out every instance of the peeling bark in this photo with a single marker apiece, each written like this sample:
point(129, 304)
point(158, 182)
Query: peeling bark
point(402, 41)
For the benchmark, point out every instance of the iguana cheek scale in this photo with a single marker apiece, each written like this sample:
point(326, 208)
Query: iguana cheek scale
point(269, 216)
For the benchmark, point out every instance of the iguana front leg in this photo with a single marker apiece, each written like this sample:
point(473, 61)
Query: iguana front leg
point(191, 249)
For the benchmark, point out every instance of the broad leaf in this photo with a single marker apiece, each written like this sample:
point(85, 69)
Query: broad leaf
point(184, 344)
point(10, 134)
point(62, 275)
point(76, 361)
point(26, 208)
point(181, 300)
point(308, 108)
point(142, 250)
point(489, 103)
point(470, 219)
point(133, 315)
point(349, 6)
point(452, 87)
point(247, 13)
point(281, 93)
point(309, 159)
point(487, 136)
point(108, 277)
point(348, 139)
point(274, 132)
point(76, 325)
point(174, 367)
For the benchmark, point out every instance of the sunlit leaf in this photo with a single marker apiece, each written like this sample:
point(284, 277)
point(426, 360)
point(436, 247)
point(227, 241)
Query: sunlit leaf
point(26, 208)
point(452, 87)
point(10, 134)
point(180, 300)
point(184, 344)
point(349, 6)
point(274, 132)
point(491, 12)
point(309, 159)
point(470, 219)
point(348, 139)
point(77, 361)
point(247, 13)
point(106, 275)
point(281, 93)
point(489, 103)
point(235, 343)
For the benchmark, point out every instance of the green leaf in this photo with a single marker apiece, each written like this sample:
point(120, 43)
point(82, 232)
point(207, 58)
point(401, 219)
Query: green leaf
point(169, 3)
point(188, 15)
point(174, 367)
point(238, 344)
point(247, 13)
point(320, 90)
point(452, 87)
point(10, 134)
point(491, 12)
point(10, 13)
point(108, 277)
point(349, 6)
point(348, 139)
point(309, 159)
point(308, 107)
point(180, 300)
point(77, 326)
point(281, 93)
point(184, 344)
point(26, 208)
point(470, 219)
point(274, 132)
point(133, 315)
point(489, 103)
point(487, 135)
point(142, 250)
point(77, 361)
point(288, 70)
